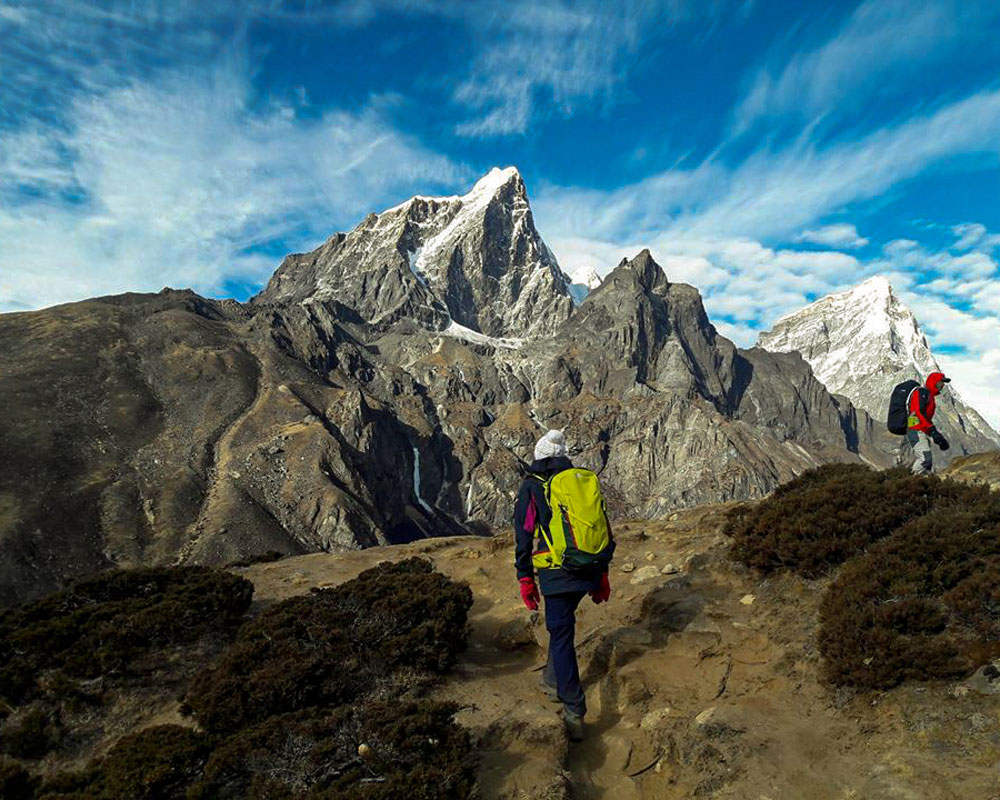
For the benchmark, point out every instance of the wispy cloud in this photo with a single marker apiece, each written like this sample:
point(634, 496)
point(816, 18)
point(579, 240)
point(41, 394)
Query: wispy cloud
point(880, 44)
point(974, 235)
point(558, 56)
point(841, 234)
point(180, 181)
point(12, 14)
point(779, 193)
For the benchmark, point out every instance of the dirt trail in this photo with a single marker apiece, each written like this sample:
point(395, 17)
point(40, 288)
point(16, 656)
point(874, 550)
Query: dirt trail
point(704, 682)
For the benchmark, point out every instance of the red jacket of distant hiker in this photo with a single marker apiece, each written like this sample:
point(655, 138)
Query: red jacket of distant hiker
point(922, 403)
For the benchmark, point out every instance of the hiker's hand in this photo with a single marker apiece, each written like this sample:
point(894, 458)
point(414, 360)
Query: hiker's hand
point(529, 593)
point(940, 441)
point(602, 594)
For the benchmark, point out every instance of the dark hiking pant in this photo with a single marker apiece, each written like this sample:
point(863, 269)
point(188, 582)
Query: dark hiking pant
point(561, 670)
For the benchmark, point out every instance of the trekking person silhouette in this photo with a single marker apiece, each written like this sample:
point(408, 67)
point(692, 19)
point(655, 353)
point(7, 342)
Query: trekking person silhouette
point(569, 551)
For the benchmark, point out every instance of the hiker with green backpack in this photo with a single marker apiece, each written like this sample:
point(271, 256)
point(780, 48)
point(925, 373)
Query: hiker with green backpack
point(564, 539)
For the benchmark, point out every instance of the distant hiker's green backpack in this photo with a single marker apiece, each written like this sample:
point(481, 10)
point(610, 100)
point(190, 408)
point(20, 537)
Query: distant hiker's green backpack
point(577, 539)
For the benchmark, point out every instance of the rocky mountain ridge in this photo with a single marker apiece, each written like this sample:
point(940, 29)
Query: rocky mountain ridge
point(862, 342)
point(358, 401)
point(475, 260)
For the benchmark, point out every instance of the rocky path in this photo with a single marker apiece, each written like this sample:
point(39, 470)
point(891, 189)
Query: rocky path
point(702, 681)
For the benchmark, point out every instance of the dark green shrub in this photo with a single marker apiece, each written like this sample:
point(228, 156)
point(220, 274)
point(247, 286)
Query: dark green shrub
point(16, 782)
point(413, 750)
point(31, 733)
point(832, 513)
point(101, 625)
point(920, 604)
point(335, 645)
point(156, 762)
point(153, 764)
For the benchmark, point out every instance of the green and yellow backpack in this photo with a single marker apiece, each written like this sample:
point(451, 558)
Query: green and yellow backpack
point(577, 538)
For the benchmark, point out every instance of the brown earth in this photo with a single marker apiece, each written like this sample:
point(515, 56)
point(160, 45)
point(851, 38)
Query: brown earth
point(979, 468)
point(701, 683)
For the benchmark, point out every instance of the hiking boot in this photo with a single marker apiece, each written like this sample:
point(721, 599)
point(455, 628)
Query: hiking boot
point(549, 691)
point(574, 726)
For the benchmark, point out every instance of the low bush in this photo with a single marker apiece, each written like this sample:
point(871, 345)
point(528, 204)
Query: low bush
point(334, 645)
point(288, 704)
point(374, 751)
point(832, 513)
point(921, 604)
point(16, 783)
point(100, 625)
point(31, 733)
point(158, 762)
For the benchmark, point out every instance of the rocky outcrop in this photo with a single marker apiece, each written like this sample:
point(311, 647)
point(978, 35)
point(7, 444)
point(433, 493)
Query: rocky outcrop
point(861, 343)
point(475, 260)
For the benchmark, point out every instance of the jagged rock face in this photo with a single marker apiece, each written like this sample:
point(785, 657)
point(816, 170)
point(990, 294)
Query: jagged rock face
point(863, 342)
point(476, 260)
point(204, 431)
point(358, 401)
point(649, 333)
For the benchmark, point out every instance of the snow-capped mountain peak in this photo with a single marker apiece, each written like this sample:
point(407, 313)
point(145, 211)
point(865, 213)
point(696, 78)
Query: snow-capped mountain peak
point(474, 259)
point(584, 282)
point(862, 342)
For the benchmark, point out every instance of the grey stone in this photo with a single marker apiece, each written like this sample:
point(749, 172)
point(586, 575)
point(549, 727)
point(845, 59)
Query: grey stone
point(646, 573)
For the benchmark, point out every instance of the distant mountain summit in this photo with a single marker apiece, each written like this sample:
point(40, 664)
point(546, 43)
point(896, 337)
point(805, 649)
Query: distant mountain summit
point(584, 284)
point(475, 260)
point(862, 342)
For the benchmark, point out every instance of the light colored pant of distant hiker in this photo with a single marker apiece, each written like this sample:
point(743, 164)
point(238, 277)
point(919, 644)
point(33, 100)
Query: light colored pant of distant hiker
point(920, 443)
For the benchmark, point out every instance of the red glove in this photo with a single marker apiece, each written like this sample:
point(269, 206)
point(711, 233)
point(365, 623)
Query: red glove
point(529, 593)
point(601, 595)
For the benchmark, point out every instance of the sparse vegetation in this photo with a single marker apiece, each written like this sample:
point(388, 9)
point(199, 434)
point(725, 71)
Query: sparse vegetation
point(31, 732)
point(286, 706)
point(379, 632)
point(100, 626)
point(16, 783)
point(832, 513)
point(917, 597)
point(921, 604)
point(157, 762)
point(260, 558)
point(376, 750)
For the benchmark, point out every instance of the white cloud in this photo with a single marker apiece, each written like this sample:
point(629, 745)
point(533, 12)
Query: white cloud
point(773, 195)
point(13, 14)
point(183, 183)
point(553, 55)
point(900, 247)
point(975, 381)
point(974, 235)
point(842, 234)
point(880, 44)
point(778, 194)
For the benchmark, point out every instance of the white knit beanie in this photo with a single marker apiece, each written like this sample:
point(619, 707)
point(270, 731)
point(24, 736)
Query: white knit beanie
point(551, 444)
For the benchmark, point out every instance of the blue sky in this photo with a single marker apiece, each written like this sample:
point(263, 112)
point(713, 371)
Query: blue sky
point(767, 152)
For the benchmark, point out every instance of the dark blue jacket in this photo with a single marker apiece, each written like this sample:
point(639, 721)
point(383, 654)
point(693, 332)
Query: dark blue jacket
point(553, 580)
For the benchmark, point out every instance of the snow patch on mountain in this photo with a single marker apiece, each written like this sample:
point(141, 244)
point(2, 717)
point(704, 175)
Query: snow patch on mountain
point(584, 282)
point(474, 337)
